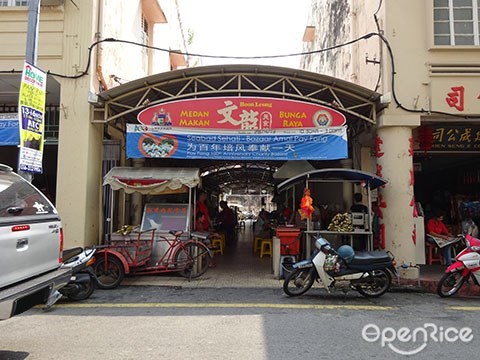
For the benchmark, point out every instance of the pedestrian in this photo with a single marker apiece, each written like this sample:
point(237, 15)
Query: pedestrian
point(202, 207)
point(226, 220)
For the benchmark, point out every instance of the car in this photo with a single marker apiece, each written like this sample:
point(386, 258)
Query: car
point(31, 245)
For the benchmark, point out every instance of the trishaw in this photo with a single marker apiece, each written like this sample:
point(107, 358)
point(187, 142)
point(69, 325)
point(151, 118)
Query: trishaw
point(162, 243)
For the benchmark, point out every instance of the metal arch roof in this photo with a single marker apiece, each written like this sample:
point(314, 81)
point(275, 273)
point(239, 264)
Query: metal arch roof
point(373, 180)
point(125, 101)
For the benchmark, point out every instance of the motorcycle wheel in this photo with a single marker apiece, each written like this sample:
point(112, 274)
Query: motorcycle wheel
point(111, 276)
point(450, 283)
point(375, 284)
point(298, 282)
point(86, 289)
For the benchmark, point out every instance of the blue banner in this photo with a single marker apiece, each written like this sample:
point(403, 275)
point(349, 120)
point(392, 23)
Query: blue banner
point(9, 132)
point(299, 144)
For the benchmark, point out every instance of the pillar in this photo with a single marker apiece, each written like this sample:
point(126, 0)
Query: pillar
point(136, 198)
point(394, 153)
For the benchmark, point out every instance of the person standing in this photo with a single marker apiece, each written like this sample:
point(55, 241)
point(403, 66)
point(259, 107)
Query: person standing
point(203, 208)
point(226, 220)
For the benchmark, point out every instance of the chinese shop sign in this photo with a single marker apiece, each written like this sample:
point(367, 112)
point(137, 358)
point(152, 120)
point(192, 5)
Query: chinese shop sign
point(31, 113)
point(300, 144)
point(165, 217)
point(453, 96)
point(240, 113)
point(454, 138)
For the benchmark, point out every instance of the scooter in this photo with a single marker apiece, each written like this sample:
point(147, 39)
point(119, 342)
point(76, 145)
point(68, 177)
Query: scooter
point(369, 273)
point(83, 280)
point(466, 266)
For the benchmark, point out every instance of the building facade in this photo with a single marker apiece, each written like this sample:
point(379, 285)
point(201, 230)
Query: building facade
point(427, 139)
point(89, 46)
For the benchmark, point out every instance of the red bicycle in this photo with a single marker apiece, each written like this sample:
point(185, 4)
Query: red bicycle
point(190, 258)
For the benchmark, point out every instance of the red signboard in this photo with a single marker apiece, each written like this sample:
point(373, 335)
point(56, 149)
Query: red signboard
point(240, 113)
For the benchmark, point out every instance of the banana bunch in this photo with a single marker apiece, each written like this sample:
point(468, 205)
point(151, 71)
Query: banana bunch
point(341, 223)
point(125, 229)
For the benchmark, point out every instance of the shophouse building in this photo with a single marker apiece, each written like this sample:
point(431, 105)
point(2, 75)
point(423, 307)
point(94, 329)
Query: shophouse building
point(424, 58)
point(87, 47)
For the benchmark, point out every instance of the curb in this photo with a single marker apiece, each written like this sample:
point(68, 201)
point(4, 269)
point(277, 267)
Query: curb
point(430, 287)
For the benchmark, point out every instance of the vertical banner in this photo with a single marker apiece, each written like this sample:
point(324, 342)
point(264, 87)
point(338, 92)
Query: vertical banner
point(31, 115)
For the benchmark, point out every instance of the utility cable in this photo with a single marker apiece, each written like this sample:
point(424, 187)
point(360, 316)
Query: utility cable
point(364, 37)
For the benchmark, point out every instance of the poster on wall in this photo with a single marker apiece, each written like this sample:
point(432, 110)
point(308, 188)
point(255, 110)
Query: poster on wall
point(31, 116)
point(241, 113)
point(9, 133)
point(299, 144)
point(165, 217)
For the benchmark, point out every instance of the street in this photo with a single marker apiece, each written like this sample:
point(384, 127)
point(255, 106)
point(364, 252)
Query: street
point(161, 322)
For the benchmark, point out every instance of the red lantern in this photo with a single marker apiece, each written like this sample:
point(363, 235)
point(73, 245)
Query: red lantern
point(425, 138)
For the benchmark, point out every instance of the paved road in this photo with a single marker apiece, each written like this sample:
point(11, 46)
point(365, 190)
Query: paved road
point(153, 322)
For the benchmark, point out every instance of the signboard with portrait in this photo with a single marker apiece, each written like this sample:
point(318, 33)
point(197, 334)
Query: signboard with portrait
point(165, 217)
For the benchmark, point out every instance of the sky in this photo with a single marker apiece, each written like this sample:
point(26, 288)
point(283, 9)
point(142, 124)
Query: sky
point(246, 28)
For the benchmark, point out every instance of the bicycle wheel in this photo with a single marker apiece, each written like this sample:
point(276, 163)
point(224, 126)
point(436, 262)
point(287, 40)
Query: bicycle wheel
point(109, 275)
point(192, 259)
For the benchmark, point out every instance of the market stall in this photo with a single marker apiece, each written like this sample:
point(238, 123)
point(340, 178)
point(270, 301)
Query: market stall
point(156, 181)
point(361, 224)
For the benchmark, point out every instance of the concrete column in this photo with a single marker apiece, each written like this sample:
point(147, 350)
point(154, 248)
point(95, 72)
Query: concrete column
point(394, 154)
point(79, 179)
point(347, 186)
point(136, 197)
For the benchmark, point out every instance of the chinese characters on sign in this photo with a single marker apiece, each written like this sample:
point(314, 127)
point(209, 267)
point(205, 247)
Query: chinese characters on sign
point(455, 138)
point(300, 144)
point(165, 217)
point(31, 112)
point(240, 113)
point(456, 98)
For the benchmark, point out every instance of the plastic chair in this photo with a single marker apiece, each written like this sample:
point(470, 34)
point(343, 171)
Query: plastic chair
point(433, 254)
point(217, 244)
point(256, 245)
point(266, 247)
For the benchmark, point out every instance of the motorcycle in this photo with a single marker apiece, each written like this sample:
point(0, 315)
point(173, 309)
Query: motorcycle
point(466, 266)
point(83, 280)
point(369, 273)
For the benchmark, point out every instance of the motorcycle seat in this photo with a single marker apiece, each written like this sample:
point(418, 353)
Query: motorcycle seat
point(70, 253)
point(370, 257)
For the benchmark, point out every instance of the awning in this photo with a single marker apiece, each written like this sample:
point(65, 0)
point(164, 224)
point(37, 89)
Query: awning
point(372, 180)
point(150, 181)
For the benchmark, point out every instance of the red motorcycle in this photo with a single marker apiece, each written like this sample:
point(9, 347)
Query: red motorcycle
point(467, 265)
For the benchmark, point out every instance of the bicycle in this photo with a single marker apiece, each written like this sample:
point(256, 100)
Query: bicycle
point(190, 258)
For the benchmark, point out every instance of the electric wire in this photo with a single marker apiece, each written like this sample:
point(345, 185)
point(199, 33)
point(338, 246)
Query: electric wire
point(364, 37)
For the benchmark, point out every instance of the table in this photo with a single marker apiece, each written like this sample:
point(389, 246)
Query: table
point(351, 234)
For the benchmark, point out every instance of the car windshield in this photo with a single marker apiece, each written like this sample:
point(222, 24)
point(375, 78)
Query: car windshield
point(19, 198)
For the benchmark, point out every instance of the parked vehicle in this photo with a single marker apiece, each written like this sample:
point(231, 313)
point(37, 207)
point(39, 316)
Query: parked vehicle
point(189, 258)
point(83, 280)
point(369, 273)
point(31, 244)
point(466, 266)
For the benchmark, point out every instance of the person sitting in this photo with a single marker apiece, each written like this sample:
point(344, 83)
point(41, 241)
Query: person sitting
point(262, 227)
point(437, 230)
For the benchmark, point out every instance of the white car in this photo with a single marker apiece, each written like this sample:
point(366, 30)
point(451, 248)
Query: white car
point(31, 245)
